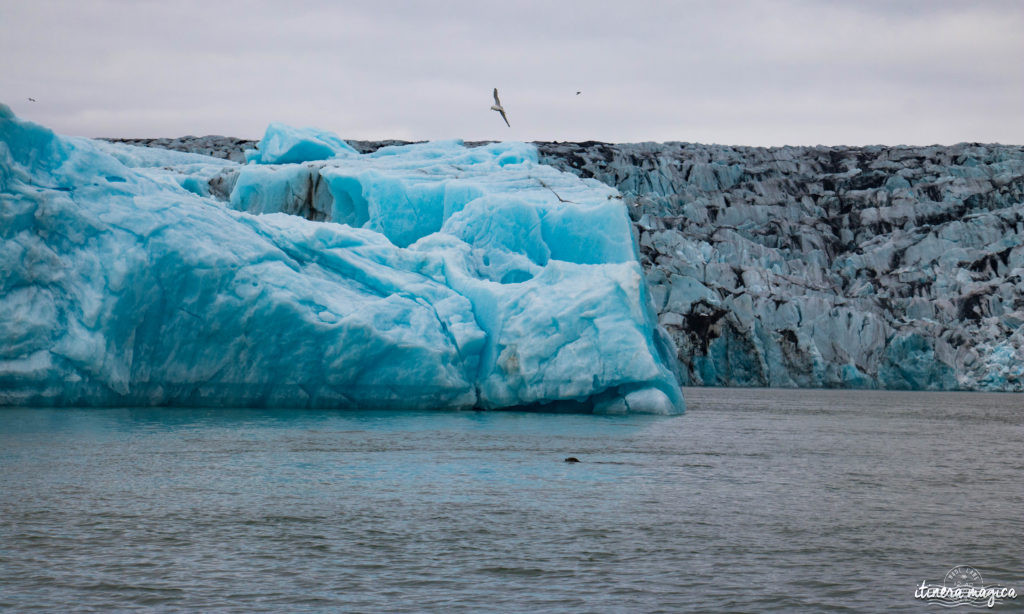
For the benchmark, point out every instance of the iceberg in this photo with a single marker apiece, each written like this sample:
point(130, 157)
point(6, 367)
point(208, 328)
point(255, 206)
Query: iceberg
point(424, 276)
point(283, 144)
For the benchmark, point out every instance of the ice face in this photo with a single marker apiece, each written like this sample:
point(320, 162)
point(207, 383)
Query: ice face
point(428, 276)
point(860, 267)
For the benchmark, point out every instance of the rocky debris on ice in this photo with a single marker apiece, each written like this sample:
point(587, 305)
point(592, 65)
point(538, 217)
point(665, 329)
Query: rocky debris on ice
point(863, 267)
point(230, 148)
point(214, 146)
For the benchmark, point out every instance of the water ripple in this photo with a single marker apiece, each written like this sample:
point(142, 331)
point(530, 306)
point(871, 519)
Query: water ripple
point(767, 501)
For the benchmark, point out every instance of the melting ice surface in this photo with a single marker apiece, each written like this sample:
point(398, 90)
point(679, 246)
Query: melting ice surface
point(431, 275)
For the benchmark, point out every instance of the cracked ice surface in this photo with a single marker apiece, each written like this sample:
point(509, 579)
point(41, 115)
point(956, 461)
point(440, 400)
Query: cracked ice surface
point(861, 267)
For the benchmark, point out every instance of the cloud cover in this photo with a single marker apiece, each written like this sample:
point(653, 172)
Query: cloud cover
point(753, 73)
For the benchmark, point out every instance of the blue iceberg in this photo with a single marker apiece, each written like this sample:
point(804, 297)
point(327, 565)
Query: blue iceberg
point(282, 144)
point(425, 276)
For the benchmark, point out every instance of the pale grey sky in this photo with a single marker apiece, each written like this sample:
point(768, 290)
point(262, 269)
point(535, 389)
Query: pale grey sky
point(757, 72)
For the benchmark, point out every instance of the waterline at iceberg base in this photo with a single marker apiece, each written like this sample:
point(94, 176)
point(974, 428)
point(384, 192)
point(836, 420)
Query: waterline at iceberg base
point(423, 276)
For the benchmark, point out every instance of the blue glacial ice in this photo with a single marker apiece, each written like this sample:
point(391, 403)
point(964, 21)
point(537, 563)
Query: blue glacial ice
point(282, 144)
point(425, 276)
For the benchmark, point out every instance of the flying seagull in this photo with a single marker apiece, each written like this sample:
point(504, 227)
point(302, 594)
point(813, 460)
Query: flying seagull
point(578, 92)
point(500, 109)
point(31, 99)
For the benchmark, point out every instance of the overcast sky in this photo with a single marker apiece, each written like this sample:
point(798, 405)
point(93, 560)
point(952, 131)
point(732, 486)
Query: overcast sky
point(798, 72)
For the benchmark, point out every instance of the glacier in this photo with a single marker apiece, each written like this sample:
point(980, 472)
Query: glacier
point(890, 267)
point(434, 275)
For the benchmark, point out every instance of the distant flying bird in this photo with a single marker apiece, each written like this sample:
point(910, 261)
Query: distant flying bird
point(31, 99)
point(500, 109)
point(578, 92)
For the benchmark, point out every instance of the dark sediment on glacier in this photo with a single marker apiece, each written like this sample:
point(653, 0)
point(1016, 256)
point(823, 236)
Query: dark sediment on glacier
point(230, 148)
point(873, 267)
point(862, 267)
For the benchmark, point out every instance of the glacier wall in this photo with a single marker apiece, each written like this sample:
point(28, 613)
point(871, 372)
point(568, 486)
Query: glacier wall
point(862, 267)
point(427, 276)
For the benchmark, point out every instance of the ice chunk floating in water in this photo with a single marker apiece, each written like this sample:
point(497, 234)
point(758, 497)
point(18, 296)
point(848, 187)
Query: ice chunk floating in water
point(432, 275)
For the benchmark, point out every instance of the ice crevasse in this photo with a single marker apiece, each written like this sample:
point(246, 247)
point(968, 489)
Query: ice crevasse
point(425, 276)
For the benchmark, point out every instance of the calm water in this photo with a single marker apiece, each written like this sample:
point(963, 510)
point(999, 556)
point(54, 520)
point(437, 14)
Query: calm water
point(755, 500)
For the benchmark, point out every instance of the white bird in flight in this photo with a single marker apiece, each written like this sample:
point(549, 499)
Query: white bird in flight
point(500, 109)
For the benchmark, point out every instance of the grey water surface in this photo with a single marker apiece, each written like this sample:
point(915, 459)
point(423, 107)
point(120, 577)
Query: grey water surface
point(755, 500)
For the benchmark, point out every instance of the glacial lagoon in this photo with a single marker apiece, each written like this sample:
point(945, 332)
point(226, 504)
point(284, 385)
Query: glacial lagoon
point(754, 500)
